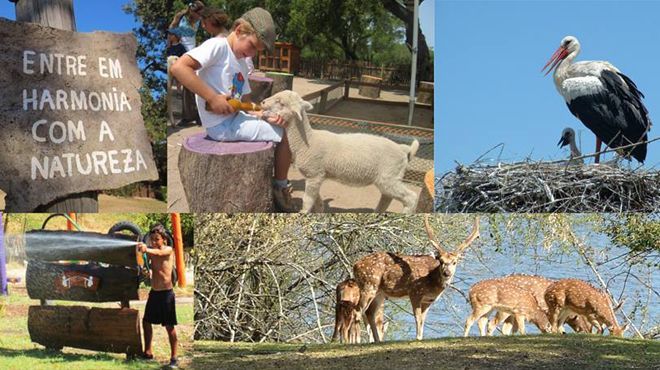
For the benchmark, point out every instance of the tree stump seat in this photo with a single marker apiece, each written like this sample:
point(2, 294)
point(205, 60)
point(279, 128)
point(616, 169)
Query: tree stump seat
point(370, 91)
point(226, 177)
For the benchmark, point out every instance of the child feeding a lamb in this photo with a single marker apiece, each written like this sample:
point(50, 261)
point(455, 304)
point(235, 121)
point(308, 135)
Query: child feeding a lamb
point(217, 71)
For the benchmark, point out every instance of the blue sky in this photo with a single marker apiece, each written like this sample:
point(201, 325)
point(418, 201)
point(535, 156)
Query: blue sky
point(91, 15)
point(489, 88)
point(107, 15)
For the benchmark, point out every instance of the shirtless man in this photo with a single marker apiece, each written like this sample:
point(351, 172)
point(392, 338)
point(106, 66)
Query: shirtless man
point(160, 305)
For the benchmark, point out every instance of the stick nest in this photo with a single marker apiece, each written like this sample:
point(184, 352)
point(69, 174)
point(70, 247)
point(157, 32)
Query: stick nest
point(547, 187)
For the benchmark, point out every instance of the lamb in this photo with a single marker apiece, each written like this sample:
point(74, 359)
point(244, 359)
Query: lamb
point(352, 159)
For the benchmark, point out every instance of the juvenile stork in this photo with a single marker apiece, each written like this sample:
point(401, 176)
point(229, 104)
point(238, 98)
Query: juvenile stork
point(568, 138)
point(603, 98)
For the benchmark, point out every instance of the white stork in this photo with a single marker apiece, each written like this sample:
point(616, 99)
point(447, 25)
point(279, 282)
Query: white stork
point(603, 98)
point(568, 138)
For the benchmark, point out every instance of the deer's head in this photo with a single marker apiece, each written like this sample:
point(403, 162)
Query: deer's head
point(449, 260)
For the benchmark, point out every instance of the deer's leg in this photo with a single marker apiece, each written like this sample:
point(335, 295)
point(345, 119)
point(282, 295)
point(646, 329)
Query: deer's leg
point(425, 309)
point(477, 312)
point(355, 327)
point(378, 307)
point(496, 321)
point(563, 316)
point(335, 333)
point(509, 326)
point(367, 300)
point(375, 313)
point(417, 311)
point(520, 322)
point(553, 315)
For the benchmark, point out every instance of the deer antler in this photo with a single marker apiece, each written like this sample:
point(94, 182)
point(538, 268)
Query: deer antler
point(432, 237)
point(474, 235)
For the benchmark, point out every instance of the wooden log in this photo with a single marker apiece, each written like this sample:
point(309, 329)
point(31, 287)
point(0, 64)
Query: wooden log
point(425, 94)
point(60, 245)
point(281, 81)
point(98, 329)
point(226, 176)
point(427, 194)
point(52, 13)
point(370, 90)
point(73, 282)
point(56, 14)
point(261, 88)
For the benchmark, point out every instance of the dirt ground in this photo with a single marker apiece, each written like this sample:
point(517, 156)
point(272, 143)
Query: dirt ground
point(337, 197)
point(109, 204)
point(573, 351)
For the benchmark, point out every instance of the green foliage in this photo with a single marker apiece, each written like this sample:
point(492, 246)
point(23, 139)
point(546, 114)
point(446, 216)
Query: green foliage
point(638, 232)
point(146, 221)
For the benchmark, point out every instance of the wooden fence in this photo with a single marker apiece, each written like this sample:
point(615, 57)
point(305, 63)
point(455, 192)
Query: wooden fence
point(334, 70)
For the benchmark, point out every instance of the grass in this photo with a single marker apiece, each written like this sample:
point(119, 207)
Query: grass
point(18, 352)
point(518, 352)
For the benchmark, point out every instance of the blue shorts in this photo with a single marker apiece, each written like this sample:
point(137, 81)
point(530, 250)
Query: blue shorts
point(245, 127)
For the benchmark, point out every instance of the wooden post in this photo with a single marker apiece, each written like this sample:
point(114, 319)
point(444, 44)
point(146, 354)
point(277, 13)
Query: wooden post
point(178, 249)
point(347, 88)
point(57, 14)
point(324, 101)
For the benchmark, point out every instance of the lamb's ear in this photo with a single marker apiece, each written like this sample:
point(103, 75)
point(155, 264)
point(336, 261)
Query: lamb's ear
point(307, 105)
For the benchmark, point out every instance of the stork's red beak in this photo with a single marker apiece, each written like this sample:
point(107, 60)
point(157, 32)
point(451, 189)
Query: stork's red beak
point(557, 57)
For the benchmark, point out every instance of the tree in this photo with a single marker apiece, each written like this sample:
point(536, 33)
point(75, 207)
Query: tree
point(424, 63)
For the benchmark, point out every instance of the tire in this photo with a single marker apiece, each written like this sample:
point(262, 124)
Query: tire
point(126, 226)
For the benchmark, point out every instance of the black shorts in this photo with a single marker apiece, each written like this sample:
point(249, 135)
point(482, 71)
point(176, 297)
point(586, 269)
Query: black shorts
point(161, 308)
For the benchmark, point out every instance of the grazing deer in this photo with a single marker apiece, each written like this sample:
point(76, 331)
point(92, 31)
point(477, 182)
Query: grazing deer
point(536, 285)
point(507, 297)
point(347, 317)
point(422, 278)
point(572, 296)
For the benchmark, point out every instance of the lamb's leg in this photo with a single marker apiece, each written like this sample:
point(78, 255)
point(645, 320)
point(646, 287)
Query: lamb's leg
point(383, 203)
point(397, 189)
point(312, 188)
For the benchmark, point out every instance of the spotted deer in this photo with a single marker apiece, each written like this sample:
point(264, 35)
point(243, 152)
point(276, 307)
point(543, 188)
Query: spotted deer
point(536, 285)
point(347, 317)
point(422, 278)
point(504, 296)
point(568, 297)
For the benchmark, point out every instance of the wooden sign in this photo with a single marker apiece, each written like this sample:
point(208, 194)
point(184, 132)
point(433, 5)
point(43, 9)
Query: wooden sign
point(88, 282)
point(69, 114)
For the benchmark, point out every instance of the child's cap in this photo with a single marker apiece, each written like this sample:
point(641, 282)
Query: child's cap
point(263, 24)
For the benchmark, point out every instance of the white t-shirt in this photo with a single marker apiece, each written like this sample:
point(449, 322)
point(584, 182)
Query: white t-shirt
point(222, 72)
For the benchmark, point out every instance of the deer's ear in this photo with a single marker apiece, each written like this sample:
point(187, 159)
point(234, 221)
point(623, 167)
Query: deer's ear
point(624, 328)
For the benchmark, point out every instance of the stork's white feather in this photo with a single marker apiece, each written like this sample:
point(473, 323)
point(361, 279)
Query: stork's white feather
point(572, 88)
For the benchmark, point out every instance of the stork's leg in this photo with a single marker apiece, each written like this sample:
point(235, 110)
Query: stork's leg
point(599, 143)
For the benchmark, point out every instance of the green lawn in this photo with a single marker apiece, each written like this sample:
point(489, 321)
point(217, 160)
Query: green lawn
point(518, 352)
point(18, 352)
